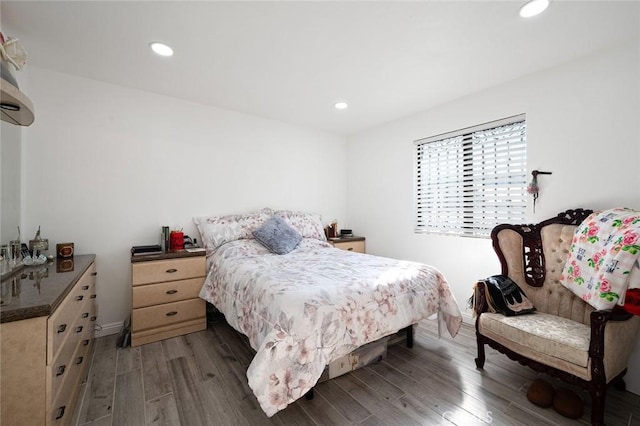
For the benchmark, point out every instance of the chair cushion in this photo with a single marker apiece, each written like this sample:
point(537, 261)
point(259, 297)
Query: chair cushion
point(552, 335)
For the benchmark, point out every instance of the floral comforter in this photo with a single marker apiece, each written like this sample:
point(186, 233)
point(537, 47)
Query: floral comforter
point(315, 304)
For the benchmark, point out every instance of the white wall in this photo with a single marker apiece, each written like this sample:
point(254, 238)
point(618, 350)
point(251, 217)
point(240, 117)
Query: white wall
point(582, 125)
point(108, 166)
point(10, 161)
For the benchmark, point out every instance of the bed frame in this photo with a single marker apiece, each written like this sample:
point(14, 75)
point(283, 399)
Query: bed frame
point(408, 339)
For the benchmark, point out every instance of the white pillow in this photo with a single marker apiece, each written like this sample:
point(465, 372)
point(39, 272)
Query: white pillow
point(218, 230)
point(309, 225)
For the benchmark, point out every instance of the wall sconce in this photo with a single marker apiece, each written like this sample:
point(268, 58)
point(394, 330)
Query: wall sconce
point(533, 187)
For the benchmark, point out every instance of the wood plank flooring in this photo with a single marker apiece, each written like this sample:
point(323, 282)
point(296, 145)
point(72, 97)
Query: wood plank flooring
point(200, 379)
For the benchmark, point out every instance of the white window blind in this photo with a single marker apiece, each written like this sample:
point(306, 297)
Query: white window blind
point(471, 180)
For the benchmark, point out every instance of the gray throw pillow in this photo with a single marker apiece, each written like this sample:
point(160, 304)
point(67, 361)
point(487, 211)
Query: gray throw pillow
point(276, 235)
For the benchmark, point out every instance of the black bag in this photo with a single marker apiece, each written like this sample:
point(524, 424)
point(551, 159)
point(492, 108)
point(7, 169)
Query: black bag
point(505, 297)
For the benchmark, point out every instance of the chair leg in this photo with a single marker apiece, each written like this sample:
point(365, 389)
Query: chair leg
point(481, 357)
point(309, 395)
point(598, 392)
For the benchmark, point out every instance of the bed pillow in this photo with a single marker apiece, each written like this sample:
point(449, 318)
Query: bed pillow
point(276, 235)
point(309, 225)
point(218, 230)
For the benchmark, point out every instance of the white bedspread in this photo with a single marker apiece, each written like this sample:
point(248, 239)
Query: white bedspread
point(315, 304)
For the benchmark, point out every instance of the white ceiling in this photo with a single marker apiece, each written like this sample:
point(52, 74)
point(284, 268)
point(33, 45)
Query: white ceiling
point(291, 61)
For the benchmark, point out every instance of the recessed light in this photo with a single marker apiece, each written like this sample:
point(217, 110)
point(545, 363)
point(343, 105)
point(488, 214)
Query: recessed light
point(533, 8)
point(341, 105)
point(161, 49)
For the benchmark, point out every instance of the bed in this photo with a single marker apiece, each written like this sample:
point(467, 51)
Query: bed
point(315, 303)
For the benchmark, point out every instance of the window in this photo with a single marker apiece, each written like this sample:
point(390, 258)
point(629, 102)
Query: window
point(471, 180)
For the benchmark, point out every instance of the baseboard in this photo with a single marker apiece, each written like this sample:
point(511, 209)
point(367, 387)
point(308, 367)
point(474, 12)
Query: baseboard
point(468, 318)
point(108, 329)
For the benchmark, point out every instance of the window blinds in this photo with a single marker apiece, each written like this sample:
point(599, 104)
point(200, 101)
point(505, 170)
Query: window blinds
point(469, 181)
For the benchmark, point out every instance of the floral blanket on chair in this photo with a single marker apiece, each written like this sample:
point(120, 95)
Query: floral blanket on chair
point(603, 267)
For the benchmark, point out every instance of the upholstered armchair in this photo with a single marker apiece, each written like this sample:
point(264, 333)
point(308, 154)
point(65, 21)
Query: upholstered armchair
point(565, 337)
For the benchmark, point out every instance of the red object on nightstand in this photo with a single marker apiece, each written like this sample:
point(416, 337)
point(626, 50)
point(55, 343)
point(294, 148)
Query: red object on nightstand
point(176, 240)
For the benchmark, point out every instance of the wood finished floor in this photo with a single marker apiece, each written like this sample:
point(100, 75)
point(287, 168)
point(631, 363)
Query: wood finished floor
point(200, 379)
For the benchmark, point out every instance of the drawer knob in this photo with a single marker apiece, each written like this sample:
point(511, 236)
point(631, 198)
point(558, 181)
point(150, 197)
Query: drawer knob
point(85, 287)
point(79, 360)
point(172, 313)
point(93, 318)
point(93, 296)
point(60, 413)
point(94, 273)
point(60, 371)
point(172, 291)
point(171, 271)
point(62, 328)
point(79, 298)
point(350, 248)
point(79, 329)
point(85, 342)
point(85, 315)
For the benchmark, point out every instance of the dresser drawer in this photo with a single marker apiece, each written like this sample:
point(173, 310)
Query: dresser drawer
point(169, 313)
point(167, 270)
point(64, 395)
point(61, 323)
point(85, 323)
point(357, 246)
point(79, 336)
point(60, 369)
point(172, 291)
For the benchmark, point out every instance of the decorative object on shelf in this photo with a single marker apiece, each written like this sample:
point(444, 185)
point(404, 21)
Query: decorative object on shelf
point(533, 187)
point(11, 52)
point(38, 245)
point(15, 251)
point(5, 257)
point(64, 250)
point(36, 260)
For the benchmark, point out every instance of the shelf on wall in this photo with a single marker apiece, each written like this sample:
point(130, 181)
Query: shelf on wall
point(16, 108)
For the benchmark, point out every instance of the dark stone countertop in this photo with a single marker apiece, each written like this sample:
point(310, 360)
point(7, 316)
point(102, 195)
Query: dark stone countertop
point(36, 291)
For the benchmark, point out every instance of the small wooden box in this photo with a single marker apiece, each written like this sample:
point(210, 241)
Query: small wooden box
point(64, 250)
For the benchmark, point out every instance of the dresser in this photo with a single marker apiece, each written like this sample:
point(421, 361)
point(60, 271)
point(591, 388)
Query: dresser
point(165, 300)
point(48, 315)
point(356, 244)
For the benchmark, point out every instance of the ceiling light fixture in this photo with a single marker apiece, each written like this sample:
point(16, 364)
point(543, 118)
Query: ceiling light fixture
point(161, 49)
point(341, 105)
point(533, 8)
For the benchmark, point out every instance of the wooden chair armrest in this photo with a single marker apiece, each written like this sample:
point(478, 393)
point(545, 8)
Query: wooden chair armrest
point(599, 320)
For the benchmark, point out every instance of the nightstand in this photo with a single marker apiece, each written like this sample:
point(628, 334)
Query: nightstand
point(349, 243)
point(165, 300)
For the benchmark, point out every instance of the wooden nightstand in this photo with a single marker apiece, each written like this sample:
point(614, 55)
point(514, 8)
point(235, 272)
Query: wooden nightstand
point(165, 300)
point(349, 243)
